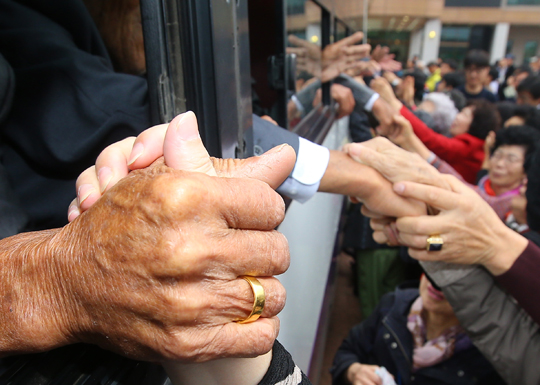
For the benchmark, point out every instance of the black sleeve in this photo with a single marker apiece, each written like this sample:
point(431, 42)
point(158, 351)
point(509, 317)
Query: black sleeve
point(283, 370)
point(265, 135)
point(7, 88)
point(69, 103)
point(361, 92)
point(359, 343)
point(359, 127)
point(68, 99)
point(307, 94)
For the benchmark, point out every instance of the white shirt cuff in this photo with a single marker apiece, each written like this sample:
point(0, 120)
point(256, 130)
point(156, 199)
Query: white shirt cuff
point(369, 105)
point(298, 191)
point(311, 164)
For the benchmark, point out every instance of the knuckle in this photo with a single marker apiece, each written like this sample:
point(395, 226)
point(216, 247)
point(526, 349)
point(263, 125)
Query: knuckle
point(276, 298)
point(280, 253)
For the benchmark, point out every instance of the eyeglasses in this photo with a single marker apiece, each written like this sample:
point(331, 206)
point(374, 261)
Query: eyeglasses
point(508, 158)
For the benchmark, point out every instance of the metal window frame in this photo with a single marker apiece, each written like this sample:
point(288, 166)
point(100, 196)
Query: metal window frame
point(182, 40)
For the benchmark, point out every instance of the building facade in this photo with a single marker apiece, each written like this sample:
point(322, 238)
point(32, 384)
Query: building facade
point(431, 29)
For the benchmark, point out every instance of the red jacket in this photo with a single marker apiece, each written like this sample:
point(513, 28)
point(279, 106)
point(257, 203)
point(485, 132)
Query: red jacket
point(465, 153)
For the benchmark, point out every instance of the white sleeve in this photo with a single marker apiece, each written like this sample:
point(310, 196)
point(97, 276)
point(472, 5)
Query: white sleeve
point(311, 164)
point(369, 105)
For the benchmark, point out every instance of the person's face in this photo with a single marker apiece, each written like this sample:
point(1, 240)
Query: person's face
point(445, 69)
point(462, 122)
point(475, 76)
point(442, 86)
point(433, 299)
point(432, 69)
point(514, 121)
point(506, 166)
point(525, 97)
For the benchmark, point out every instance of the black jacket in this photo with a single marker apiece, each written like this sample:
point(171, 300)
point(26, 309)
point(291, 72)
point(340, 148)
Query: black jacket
point(383, 339)
point(68, 105)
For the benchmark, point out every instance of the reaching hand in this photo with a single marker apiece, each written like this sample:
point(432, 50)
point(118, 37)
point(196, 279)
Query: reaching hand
point(341, 55)
point(180, 144)
point(161, 251)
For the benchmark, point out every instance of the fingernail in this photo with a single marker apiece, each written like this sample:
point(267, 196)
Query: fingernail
point(188, 123)
point(73, 212)
point(105, 175)
point(85, 190)
point(399, 188)
point(136, 152)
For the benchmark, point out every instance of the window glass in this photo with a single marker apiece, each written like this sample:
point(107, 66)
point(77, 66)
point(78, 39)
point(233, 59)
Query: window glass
point(530, 50)
point(523, 2)
point(303, 40)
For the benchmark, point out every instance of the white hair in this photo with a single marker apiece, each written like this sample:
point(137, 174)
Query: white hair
point(445, 111)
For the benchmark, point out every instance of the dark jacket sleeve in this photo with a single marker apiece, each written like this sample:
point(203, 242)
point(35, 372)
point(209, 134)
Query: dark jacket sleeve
point(359, 343)
point(522, 282)
point(69, 100)
point(283, 370)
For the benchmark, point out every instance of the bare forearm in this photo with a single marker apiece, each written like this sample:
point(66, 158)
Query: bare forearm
point(227, 371)
point(348, 177)
point(33, 310)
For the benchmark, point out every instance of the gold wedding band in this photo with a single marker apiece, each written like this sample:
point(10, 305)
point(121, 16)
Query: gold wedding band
point(434, 243)
point(258, 302)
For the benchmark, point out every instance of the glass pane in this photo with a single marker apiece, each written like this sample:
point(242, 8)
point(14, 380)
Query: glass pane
point(341, 31)
point(530, 50)
point(304, 40)
point(455, 33)
point(523, 2)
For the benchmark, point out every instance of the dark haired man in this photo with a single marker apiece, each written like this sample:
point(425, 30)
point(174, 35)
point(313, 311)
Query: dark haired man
point(476, 71)
point(448, 66)
point(529, 91)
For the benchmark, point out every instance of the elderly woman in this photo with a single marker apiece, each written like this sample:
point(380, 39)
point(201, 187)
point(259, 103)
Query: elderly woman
point(506, 167)
point(441, 109)
point(470, 234)
point(415, 335)
point(464, 151)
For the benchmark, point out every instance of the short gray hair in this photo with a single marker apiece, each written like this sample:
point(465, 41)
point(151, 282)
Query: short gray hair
point(445, 111)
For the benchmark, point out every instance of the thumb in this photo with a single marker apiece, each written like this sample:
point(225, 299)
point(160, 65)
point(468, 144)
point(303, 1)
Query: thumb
point(183, 148)
point(273, 167)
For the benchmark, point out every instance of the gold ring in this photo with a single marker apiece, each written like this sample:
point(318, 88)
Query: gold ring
point(434, 243)
point(258, 302)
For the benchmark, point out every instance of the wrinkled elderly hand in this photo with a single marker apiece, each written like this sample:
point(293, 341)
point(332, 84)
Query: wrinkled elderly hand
point(182, 149)
point(161, 251)
point(151, 269)
point(394, 163)
point(160, 255)
point(471, 230)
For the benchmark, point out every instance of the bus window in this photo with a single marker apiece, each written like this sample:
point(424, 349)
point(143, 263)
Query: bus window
point(304, 38)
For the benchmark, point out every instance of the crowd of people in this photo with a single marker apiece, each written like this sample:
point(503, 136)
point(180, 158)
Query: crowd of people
point(158, 253)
